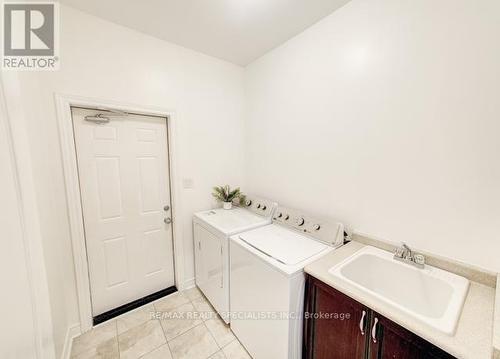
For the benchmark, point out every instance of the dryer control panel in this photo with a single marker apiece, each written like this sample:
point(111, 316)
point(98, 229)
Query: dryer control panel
point(325, 230)
point(262, 207)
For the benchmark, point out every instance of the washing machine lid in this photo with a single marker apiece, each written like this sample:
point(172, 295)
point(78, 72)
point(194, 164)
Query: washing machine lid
point(232, 221)
point(284, 245)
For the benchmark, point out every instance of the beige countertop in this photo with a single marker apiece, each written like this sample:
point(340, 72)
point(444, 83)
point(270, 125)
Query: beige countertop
point(474, 335)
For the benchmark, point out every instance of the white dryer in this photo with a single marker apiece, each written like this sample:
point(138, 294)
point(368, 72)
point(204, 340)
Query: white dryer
point(212, 230)
point(267, 280)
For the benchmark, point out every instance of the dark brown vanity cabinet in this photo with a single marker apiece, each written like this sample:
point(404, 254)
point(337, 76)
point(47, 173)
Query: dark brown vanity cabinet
point(338, 327)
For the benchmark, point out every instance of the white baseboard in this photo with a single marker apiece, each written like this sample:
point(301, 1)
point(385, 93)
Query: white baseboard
point(190, 283)
point(72, 332)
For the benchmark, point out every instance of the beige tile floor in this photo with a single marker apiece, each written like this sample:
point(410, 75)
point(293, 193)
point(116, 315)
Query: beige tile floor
point(181, 325)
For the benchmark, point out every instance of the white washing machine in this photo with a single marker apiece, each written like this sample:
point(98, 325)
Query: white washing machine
point(212, 230)
point(267, 280)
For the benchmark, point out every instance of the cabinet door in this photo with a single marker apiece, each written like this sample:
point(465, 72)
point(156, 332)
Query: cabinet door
point(389, 340)
point(335, 324)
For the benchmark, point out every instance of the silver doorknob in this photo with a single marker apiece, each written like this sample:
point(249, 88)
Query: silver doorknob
point(167, 220)
point(166, 208)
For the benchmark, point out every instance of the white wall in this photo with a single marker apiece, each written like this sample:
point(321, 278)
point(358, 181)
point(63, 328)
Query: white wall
point(103, 60)
point(386, 115)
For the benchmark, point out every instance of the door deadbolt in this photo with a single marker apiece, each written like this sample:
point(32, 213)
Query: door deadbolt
point(166, 208)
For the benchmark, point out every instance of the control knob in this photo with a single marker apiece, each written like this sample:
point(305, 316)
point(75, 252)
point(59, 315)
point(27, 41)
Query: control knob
point(316, 227)
point(300, 221)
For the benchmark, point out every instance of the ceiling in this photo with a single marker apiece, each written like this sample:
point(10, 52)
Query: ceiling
point(238, 31)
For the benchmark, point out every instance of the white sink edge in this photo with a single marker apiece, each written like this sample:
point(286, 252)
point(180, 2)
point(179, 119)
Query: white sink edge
point(442, 324)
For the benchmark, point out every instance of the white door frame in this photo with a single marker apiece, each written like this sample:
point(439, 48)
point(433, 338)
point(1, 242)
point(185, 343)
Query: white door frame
point(13, 120)
point(67, 141)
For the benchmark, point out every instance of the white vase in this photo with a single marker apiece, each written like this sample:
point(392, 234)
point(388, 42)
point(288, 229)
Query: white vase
point(227, 205)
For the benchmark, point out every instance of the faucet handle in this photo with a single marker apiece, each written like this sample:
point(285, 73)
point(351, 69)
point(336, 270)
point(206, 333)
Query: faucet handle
point(419, 258)
point(399, 252)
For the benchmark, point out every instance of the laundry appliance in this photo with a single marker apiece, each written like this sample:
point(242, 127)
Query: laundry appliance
point(267, 280)
point(212, 230)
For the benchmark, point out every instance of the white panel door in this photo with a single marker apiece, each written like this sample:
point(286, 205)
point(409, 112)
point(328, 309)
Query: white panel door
point(124, 182)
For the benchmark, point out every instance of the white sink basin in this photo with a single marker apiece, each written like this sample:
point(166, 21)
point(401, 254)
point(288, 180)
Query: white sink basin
point(431, 295)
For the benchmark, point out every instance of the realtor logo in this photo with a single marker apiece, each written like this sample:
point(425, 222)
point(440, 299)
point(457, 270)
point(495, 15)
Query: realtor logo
point(30, 36)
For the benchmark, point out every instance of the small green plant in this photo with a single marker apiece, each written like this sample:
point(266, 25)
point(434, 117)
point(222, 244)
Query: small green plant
point(225, 194)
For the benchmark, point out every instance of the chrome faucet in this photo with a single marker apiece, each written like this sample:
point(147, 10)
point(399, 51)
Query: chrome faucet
point(406, 255)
